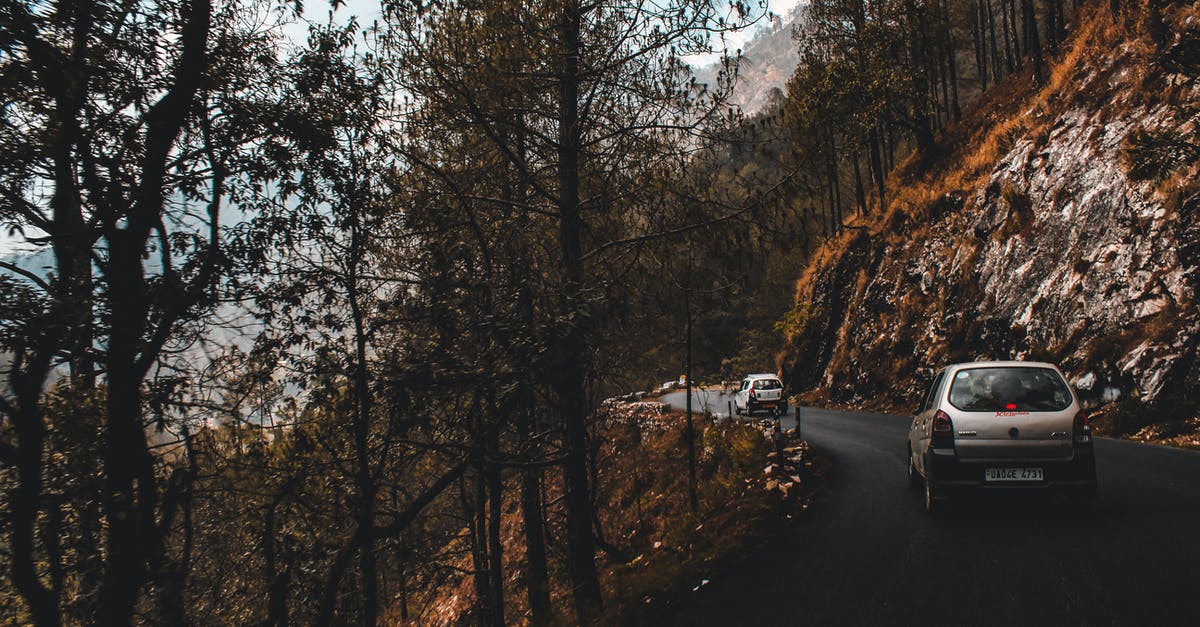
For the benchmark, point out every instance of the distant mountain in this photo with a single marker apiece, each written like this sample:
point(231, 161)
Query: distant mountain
point(768, 61)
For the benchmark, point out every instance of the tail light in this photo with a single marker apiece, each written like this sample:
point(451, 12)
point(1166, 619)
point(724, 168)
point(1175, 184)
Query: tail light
point(1083, 429)
point(943, 430)
point(753, 393)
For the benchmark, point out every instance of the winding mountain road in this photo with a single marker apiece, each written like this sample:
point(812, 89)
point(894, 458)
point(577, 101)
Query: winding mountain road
point(869, 555)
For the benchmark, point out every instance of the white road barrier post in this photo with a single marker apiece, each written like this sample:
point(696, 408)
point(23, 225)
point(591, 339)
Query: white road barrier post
point(778, 436)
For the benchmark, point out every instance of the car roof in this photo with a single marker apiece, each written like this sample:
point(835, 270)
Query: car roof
point(1001, 364)
point(762, 376)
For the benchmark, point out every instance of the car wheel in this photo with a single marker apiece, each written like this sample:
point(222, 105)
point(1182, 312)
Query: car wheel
point(933, 503)
point(914, 477)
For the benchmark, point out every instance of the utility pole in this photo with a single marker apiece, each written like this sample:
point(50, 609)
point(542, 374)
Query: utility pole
point(693, 497)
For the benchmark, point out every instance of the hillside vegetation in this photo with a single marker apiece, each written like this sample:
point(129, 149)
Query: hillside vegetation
point(1055, 222)
point(305, 305)
point(655, 549)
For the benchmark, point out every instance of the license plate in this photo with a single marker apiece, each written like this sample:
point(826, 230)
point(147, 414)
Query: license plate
point(767, 405)
point(1014, 474)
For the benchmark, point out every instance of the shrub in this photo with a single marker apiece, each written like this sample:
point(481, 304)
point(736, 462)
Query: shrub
point(1128, 415)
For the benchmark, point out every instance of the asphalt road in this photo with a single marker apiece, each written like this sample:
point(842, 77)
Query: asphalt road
point(869, 555)
point(707, 401)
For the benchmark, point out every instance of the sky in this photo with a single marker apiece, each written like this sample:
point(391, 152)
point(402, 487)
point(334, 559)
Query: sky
point(368, 10)
point(737, 41)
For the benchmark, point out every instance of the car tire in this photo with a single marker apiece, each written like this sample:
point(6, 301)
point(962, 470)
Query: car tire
point(914, 477)
point(933, 500)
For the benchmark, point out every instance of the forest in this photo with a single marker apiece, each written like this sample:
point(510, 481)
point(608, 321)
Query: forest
point(293, 319)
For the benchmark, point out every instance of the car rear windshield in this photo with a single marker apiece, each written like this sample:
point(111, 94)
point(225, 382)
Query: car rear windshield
point(767, 384)
point(1009, 389)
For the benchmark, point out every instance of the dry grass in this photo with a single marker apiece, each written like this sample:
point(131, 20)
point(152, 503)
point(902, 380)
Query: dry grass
point(822, 259)
point(1013, 109)
point(654, 548)
point(679, 548)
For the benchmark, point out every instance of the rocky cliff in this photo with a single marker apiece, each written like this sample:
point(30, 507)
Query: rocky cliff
point(1026, 239)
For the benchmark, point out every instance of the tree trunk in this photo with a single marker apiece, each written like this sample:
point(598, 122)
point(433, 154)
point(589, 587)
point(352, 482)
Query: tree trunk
point(940, 109)
point(1061, 9)
point(889, 146)
point(130, 488)
point(537, 579)
point(581, 558)
point(1052, 27)
point(1032, 45)
point(977, 38)
point(951, 62)
point(877, 169)
point(823, 207)
point(693, 495)
point(860, 197)
point(277, 583)
point(475, 506)
point(72, 241)
point(402, 582)
point(364, 482)
point(1009, 63)
point(944, 81)
point(835, 184)
point(24, 503)
point(1014, 33)
point(495, 488)
point(72, 250)
point(991, 20)
point(920, 81)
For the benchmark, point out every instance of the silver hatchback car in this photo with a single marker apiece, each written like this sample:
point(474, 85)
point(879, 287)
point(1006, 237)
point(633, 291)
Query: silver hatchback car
point(1001, 425)
point(760, 392)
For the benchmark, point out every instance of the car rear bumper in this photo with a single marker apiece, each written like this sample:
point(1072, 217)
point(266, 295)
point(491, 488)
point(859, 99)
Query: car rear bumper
point(754, 406)
point(949, 471)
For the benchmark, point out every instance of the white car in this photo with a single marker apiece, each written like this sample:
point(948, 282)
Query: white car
point(1001, 426)
point(760, 392)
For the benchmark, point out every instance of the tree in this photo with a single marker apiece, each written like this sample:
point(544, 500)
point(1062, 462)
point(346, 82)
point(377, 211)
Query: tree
point(121, 153)
point(586, 112)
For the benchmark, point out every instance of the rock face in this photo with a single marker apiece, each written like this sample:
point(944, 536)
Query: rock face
point(1046, 250)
